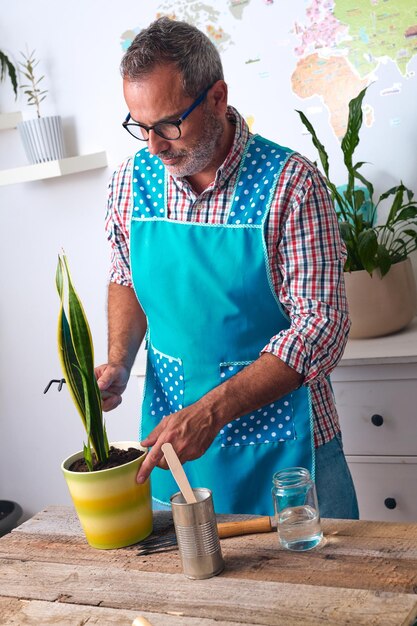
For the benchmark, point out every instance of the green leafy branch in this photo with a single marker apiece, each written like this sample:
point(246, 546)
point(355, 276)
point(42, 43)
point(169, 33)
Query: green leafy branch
point(33, 93)
point(76, 354)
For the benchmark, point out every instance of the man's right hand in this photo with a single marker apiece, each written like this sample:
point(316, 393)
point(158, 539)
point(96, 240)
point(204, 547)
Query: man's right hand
point(112, 381)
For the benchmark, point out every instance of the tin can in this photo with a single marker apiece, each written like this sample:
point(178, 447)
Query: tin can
point(197, 535)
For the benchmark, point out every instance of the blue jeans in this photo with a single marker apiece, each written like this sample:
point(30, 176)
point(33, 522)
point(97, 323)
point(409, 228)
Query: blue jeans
point(335, 489)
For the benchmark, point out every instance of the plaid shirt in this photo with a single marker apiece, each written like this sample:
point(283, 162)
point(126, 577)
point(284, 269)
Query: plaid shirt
point(306, 258)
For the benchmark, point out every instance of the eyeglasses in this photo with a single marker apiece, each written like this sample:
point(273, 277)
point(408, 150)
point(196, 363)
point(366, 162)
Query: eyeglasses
point(166, 130)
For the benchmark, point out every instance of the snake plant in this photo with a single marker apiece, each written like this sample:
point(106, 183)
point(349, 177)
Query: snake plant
point(369, 246)
point(76, 354)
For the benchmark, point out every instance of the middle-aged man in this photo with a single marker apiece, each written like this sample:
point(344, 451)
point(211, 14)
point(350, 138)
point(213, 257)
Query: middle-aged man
point(226, 253)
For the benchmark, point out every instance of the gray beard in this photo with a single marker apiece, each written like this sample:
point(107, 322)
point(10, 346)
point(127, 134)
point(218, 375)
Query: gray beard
point(201, 154)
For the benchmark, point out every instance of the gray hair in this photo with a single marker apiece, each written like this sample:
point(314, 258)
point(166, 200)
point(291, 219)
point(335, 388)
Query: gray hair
point(168, 41)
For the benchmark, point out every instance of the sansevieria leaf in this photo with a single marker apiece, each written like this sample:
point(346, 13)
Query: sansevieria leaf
point(77, 361)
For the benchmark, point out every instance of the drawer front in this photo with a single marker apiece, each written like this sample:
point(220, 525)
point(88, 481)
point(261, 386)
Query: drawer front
point(362, 404)
point(380, 485)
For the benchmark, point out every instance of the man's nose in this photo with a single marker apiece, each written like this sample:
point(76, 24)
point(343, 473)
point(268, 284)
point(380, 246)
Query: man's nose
point(156, 143)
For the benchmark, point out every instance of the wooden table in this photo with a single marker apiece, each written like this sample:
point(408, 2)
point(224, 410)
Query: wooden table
point(365, 573)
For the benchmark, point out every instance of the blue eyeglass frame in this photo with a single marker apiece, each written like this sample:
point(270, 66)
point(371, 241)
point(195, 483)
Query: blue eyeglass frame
point(177, 123)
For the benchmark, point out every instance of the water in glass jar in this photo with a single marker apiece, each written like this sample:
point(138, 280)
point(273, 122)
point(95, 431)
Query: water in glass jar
point(299, 528)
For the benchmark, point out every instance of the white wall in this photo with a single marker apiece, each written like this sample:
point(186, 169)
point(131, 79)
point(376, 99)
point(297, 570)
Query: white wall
point(78, 44)
point(79, 47)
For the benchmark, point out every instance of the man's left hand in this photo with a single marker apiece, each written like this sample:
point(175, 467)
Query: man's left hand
point(190, 431)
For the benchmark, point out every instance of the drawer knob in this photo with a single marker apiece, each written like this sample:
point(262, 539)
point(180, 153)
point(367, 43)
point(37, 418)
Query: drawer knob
point(377, 420)
point(390, 503)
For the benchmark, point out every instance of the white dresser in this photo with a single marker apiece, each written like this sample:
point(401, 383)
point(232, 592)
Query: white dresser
point(375, 385)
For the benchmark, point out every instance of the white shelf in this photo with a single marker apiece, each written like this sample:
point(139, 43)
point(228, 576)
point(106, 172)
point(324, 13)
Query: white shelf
point(52, 169)
point(10, 120)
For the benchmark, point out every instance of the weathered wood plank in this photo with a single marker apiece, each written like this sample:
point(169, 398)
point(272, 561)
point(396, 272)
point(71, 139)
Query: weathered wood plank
point(360, 562)
point(33, 612)
point(62, 520)
point(262, 603)
point(336, 543)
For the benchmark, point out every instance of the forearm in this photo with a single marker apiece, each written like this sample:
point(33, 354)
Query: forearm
point(192, 430)
point(126, 325)
point(263, 381)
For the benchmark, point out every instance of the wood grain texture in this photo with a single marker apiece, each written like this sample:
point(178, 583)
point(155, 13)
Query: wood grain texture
point(29, 612)
point(217, 598)
point(364, 573)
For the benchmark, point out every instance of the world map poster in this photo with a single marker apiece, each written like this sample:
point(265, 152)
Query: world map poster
point(315, 56)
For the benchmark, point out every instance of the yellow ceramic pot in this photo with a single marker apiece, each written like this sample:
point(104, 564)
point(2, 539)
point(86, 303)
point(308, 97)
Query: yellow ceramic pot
point(113, 509)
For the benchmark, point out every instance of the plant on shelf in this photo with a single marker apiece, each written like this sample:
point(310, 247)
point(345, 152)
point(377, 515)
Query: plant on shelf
point(42, 136)
point(8, 69)
point(114, 510)
point(76, 354)
point(33, 93)
point(370, 245)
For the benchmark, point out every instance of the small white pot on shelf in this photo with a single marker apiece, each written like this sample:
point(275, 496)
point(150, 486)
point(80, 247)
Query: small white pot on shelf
point(43, 139)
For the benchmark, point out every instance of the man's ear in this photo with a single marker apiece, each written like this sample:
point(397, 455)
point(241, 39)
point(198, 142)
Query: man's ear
point(217, 97)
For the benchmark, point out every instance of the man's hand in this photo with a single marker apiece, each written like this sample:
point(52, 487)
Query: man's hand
point(112, 381)
point(190, 431)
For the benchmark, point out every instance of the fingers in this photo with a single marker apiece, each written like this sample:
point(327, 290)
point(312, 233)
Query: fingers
point(152, 459)
point(105, 376)
point(110, 402)
point(98, 371)
point(111, 380)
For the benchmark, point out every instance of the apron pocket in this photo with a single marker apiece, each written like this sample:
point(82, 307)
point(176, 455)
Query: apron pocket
point(273, 422)
point(167, 378)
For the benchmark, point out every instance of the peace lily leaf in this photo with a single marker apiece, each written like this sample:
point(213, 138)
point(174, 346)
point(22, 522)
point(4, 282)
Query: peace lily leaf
point(406, 214)
point(411, 233)
point(369, 245)
point(359, 198)
point(351, 138)
point(384, 260)
point(390, 192)
point(366, 182)
point(367, 249)
point(320, 148)
point(346, 230)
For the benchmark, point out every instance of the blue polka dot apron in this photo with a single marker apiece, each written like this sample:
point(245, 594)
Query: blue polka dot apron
point(207, 294)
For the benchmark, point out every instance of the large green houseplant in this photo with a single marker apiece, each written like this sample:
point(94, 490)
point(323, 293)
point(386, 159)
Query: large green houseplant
point(114, 510)
point(380, 249)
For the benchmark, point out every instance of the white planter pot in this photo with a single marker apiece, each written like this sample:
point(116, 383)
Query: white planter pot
point(381, 306)
point(42, 139)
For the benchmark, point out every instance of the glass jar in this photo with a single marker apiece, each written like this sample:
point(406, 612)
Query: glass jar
point(296, 509)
